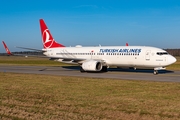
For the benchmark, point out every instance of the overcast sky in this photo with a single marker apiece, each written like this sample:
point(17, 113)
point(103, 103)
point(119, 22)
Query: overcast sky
point(91, 22)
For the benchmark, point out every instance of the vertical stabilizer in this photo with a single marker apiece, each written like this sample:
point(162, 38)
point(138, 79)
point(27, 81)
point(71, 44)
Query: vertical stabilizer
point(47, 39)
point(127, 44)
point(6, 48)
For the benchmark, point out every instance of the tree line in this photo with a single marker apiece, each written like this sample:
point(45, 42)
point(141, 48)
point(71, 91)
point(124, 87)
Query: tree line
point(174, 52)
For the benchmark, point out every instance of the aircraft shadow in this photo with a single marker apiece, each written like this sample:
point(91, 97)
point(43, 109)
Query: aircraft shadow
point(139, 70)
point(123, 70)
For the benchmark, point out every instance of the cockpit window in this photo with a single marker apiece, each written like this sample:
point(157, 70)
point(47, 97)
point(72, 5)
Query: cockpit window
point(162, 53)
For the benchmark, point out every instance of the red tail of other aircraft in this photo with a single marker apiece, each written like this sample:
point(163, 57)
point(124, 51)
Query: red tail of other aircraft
point(6, 48)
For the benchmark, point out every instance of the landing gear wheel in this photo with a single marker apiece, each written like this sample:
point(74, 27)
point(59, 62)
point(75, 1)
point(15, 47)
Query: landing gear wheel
point(155, 72)
point(81, 70)
point(104, 69)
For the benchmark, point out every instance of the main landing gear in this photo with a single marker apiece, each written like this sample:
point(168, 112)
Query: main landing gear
point(104, 69)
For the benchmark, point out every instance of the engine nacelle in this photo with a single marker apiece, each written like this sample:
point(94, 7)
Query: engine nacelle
point(92, 65)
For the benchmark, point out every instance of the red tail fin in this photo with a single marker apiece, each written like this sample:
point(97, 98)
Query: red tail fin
point(127, 44)
point(7, 50)
point(48, 41)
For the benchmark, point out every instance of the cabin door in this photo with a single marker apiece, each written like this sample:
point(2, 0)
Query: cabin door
point(147, 56)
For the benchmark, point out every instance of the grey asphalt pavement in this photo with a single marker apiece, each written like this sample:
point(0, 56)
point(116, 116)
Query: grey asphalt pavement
point(114, 73)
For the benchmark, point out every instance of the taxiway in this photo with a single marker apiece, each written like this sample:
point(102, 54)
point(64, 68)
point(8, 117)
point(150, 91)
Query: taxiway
point(114, 73)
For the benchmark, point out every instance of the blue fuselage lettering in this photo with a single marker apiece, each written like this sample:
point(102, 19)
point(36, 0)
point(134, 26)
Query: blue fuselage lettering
point(137, 51)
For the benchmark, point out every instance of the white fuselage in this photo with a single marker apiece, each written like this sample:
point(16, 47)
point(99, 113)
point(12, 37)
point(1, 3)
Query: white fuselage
point(121, 56)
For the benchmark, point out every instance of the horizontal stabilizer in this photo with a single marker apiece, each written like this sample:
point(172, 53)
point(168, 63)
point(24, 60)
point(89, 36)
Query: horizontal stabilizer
point(31, 49)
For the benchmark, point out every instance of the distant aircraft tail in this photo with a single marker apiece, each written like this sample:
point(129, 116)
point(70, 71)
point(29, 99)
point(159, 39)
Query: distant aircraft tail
point(127, 44)
point(47, 39)
point(6, 48)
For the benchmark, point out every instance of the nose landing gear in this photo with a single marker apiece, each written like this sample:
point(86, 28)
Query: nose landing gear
point(158, 68)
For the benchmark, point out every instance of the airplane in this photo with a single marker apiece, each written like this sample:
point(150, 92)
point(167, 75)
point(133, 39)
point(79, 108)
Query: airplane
point(6, 48)
point(25, 55)
point(100, 58)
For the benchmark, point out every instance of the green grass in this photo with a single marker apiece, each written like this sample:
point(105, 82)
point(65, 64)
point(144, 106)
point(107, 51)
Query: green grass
point(26, 96)
point(175, 66)
point(20, 60)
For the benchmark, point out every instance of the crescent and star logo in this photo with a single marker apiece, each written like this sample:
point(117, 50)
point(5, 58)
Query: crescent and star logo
point(47, 39)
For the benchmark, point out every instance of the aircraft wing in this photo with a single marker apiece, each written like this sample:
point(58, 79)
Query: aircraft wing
point(68, 60)
point(74, 60)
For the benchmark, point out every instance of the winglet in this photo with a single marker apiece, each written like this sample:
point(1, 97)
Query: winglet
point(6, 48)
point(127, 44)
point(48, 41)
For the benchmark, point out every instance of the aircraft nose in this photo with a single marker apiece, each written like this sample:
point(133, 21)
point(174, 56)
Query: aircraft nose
point(171, 60)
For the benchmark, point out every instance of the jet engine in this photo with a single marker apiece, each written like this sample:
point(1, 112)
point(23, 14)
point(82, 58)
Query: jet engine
point(92, 65)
